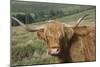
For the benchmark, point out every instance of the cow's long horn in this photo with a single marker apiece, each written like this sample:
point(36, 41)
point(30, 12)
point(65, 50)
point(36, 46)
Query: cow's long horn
point(80, 20)
point(24, 26)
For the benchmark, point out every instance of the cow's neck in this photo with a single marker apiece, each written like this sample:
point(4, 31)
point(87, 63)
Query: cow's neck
point(64, 56)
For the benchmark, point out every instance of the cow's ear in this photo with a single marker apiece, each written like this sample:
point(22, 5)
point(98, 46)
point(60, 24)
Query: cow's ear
point(41, 34)
point(69, 32)
point(41, 30)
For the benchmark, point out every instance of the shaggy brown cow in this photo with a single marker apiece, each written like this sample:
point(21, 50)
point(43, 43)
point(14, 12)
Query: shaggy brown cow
point(69, 44)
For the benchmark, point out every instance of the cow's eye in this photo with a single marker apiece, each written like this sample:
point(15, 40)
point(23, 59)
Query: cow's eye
point(49, 37)
point(55, 39)
point(54, 47)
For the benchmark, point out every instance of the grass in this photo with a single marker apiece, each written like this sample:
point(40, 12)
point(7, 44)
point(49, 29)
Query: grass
point(27, 49)
point(73, 18)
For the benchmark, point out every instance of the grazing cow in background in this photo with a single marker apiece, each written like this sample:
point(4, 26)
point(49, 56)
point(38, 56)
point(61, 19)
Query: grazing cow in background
point(69, 44)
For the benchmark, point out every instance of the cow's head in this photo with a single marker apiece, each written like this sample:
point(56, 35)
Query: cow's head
point(55, 34)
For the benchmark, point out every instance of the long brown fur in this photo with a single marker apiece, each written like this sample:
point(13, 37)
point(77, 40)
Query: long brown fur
point(75, 43)
point(80, 46)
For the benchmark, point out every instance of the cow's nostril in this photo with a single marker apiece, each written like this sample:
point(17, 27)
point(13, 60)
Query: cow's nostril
point(58, 50)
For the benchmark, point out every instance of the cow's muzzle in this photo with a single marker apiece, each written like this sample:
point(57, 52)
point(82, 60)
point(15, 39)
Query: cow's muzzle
point(54, 51)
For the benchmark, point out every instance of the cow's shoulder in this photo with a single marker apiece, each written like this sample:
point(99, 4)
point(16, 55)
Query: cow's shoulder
point(84, 30)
